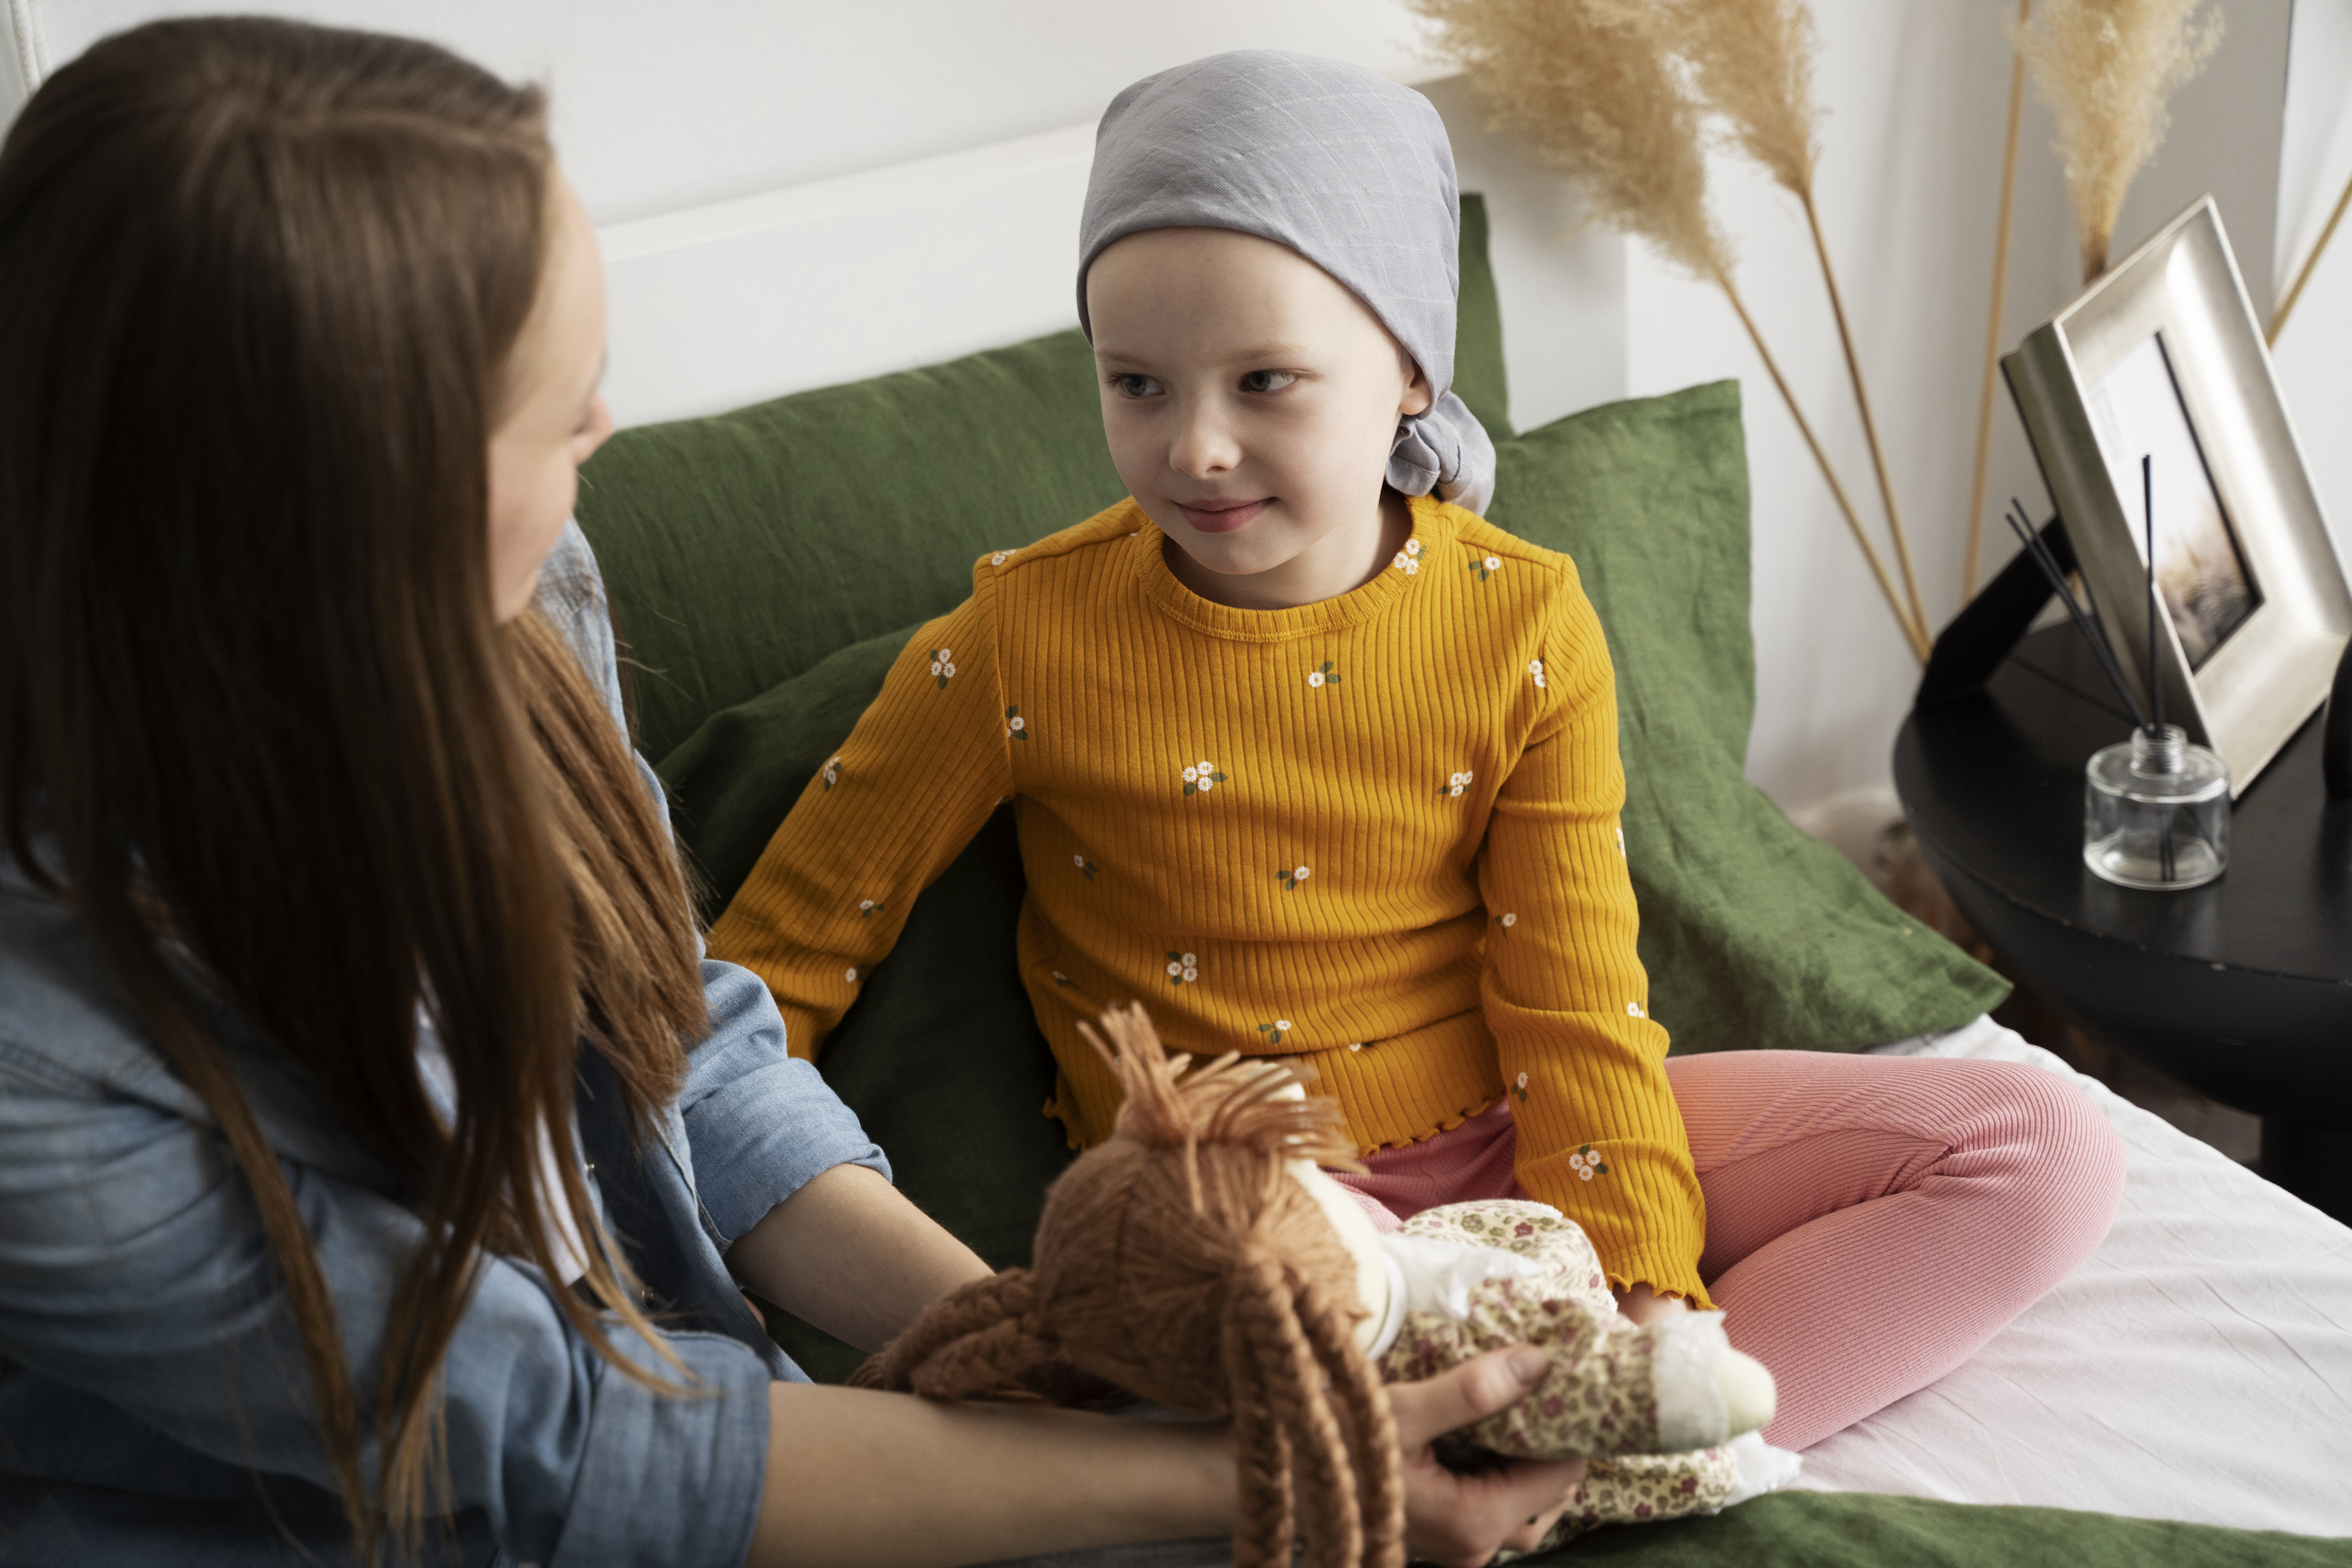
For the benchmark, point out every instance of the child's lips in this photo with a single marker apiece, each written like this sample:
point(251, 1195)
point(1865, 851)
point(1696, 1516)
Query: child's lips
point(1223, 517)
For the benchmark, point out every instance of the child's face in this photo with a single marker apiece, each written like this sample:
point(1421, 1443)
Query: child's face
point(1251, 402)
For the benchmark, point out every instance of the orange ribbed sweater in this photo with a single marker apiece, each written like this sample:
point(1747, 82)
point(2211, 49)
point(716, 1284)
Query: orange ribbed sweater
point(1377, 832)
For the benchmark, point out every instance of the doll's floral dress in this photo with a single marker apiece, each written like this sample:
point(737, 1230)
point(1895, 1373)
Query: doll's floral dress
point(1640, 1400)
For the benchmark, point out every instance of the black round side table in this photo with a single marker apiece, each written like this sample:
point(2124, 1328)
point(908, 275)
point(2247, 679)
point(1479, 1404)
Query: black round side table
point(2240, 989)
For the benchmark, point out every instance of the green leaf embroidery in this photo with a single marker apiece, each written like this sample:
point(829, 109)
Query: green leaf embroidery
point(1275, 1031)
point(1014, 725)
point(942, 667)
point(869, 907)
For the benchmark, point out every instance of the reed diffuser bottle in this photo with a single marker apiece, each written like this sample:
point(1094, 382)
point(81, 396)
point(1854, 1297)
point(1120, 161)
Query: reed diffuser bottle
point(2156, 808)
point(2155, 811)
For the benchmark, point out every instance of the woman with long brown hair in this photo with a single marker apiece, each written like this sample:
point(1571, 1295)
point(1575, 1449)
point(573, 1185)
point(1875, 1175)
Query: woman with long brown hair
point(379, 1158)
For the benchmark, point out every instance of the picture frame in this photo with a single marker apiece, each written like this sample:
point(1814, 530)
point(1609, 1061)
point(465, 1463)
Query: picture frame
point(2163, 358)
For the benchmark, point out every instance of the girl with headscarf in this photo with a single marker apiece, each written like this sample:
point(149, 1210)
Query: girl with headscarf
point(1321, 764)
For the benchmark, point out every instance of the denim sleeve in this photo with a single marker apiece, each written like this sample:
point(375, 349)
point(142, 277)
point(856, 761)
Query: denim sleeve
point(133, 1268)
point(761, 1123)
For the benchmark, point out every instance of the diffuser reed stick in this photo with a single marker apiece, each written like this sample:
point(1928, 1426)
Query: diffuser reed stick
point(2155, 675)
point(1992, 316)
point(2040, 554)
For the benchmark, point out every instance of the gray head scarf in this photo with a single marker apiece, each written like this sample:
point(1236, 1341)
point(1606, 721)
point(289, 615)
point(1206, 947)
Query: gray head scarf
point(1345, 167)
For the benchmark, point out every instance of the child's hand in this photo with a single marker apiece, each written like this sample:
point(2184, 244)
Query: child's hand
point(1645, 1305)
point(1461, 1520)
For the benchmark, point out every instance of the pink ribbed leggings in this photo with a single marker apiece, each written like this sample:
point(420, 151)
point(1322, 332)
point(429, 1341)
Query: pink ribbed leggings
point(1871, 1221)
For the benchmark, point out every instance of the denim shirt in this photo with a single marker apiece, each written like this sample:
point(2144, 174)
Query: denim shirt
point(154, 1407)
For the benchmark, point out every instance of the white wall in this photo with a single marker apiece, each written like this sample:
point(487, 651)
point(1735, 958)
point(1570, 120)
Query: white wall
point(883, 149)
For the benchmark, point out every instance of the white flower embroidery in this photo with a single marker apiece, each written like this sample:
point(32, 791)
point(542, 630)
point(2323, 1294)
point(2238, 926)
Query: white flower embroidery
point(1405, 562)
point(1519, 1090)
point(943, 666)
point(1015, 724)
point(867, 907)
point(1282, 1023)
point(1354, 1045)
point(1079, 861)
point(833, 773)
point(1523, 1080)
point(1586, 1163)
point(1001, 556)
point(1456, 783)
point(1314, 678)
point(1326, 673)
point(1292, 877)
point(1183, 968)
point(1201, 777)
point(1300, 873)
point(1535, 667)
point(1413, 547)
point(1493, 564)
point(1510, 920)
point(850, 975)
point(1634, 1010)
point(1488, 567)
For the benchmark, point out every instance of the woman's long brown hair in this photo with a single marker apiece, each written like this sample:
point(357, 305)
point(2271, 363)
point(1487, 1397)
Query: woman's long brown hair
point(258, 285)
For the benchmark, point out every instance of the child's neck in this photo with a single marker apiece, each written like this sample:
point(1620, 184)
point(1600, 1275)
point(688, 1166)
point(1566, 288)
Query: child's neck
point(1341, 562)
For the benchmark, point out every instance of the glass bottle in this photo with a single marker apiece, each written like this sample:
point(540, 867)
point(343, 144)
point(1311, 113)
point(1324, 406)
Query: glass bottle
point(2156, 812)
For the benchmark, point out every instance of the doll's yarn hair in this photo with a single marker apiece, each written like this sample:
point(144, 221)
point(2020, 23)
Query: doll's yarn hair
point(1179, 1260)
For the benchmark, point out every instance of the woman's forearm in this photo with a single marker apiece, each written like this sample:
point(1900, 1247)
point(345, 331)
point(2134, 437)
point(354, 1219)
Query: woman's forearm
point(856, 1477)
point(849, 1254)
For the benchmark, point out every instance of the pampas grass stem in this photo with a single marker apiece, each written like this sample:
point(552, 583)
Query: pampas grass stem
point(1869, 424)
point(1913, 633)
point(1992, 317)
point(1752, 61)
point(2303, 275)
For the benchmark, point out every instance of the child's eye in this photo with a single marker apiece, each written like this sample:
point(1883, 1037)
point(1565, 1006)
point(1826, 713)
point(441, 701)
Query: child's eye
point(1267, 380)
point(1135, 386)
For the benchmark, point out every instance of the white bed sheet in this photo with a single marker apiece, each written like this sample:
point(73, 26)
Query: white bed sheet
point(2197, 1366)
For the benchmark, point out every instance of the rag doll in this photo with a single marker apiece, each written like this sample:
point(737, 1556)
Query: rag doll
point(1199, 1259)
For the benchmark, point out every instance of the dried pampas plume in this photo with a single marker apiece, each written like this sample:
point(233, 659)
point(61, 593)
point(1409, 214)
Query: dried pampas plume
point(1608, 93)
point(1586, 85)
point(2106, 67)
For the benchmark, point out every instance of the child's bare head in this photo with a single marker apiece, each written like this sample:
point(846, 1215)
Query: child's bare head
point(1183, 1261)
point(1251, 401)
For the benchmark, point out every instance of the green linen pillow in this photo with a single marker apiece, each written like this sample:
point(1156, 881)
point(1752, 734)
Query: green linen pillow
point(1754, 935)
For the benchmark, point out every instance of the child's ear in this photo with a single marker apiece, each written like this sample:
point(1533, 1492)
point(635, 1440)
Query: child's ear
point(1417, 399)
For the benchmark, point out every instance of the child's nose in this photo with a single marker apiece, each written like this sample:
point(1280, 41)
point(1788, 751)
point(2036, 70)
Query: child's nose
point(1205, 445)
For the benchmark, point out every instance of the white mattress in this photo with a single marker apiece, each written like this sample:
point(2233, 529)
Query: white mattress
point(2197, 1366)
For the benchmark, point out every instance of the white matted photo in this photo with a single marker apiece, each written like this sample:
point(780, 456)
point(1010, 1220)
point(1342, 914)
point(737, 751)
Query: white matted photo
point(2200, 567)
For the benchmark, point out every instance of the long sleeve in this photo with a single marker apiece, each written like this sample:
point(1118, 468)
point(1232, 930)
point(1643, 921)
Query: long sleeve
point(911, 786)
point(134, 1270)
point(1600, 1137)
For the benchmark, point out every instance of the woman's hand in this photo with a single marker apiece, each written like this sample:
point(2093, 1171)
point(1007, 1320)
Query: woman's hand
point(1460, 1522)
